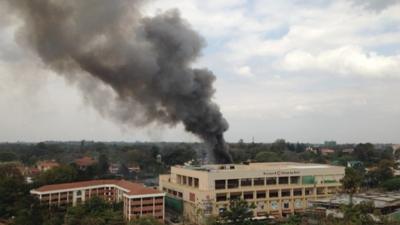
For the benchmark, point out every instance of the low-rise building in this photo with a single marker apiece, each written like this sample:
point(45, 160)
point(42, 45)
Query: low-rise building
point(386, 203)
point(327, 151)
point(46, 165)
point(277, 189)
point(138, 200)
point(134, 168)
point(85, 162)
point(114, 168)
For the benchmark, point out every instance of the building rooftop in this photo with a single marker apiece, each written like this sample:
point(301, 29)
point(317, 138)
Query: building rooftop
point(257, 166)
point(130, 187)
point(85, 161)
point(48, 163)
point(380, 200)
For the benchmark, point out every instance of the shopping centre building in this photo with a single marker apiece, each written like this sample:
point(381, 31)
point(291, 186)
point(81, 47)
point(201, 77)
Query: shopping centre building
point(138, 200)
point(277, 189)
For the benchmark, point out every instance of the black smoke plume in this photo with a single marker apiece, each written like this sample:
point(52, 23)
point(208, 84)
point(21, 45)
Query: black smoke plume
point(145, 61)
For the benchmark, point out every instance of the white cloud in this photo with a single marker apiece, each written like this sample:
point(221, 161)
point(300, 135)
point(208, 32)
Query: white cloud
point(347, 60)
point(244, 71)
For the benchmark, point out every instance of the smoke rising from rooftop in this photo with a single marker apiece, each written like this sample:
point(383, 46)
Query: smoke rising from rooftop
point(145, 61)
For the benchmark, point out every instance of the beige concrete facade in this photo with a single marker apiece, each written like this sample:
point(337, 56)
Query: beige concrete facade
point(277, 189)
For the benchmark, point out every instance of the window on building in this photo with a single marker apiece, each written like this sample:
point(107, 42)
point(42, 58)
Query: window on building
point(190, 181)
point(283, 180)
point(245, 182)
point(308, 180)
point(233, 183)
point(235, 195)
point(320, 191)
point(180, 195)
point(286, 205)
point(221, 197)
point(220, 184)
point(248, 195)
point(192, 197)
point(259, 181)
point(196, 182)
point(297, 192)
point(184, 180)
point(261, 194)
point(309, 191)
point(273, 194)
point(285, 193)
point(332, 190)
point(79, 193)
point(271, 180)
point(295, 180)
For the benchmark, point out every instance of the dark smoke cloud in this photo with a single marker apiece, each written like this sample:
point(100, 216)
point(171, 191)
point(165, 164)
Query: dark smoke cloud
point(104, 45)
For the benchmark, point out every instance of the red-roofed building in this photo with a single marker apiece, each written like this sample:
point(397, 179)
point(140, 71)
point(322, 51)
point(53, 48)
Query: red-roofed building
point(46, 165)
point(84, 162)
point(138, 200)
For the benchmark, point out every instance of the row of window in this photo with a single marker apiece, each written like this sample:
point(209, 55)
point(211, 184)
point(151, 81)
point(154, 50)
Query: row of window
point(261, 181)
point(271, 194)
point(189, 181)
point(273, 205)
point(173, 192)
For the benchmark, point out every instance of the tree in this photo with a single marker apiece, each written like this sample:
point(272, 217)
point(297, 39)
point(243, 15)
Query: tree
point(267, 156)
point(365, 152)
point(238, 213)
point(358, 214)
point(279, 145)
point(391, 184)
point(94, 211)
point(124, 170)
point(12, 189)
point(103, 164)
point(383, 172)
point(145, 221)
point(293, 220)
point(61, 174)
point(28, 211)
point(178, 155)
point(7, 157)
point(351, 182)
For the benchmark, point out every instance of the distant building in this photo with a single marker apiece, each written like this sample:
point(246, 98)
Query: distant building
point(46, 165)
point(386, 203)
point(355, 163)
point(159, 158)
point(114, 168)
point(395, 148)
point(330, 143)
point(326, 151)
point(138, 200)
point(311, 149)
point(348, 150)
point(85, 162)
point(134, 168)
point(277, 189)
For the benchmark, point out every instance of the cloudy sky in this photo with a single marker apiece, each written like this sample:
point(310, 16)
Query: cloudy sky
point(300, 70)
